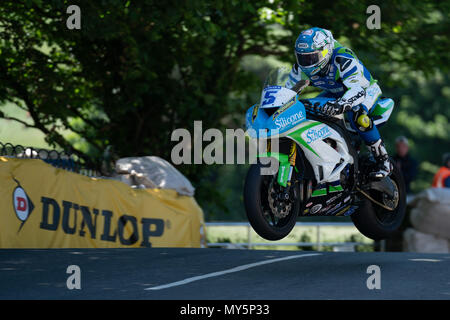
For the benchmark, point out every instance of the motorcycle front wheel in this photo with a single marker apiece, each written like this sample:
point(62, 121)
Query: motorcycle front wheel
point(270, 217)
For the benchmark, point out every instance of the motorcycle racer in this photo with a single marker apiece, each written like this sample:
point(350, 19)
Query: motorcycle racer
point(340, 74)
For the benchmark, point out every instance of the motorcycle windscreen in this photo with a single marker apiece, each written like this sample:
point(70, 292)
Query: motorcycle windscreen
point(277, 77)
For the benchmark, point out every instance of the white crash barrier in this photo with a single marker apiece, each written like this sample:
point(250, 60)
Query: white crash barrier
point(152, 172)
point(431, 212)
point(416, 241)
point(430, 217)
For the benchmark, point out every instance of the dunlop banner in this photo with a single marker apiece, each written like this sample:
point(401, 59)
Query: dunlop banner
point(45, 207)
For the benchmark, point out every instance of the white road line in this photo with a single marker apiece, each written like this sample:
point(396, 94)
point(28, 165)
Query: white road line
point(235, 269)
point(426, 260)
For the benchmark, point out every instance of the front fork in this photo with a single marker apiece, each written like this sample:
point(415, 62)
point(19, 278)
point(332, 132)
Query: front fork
point(292, 157)
point(290, 165)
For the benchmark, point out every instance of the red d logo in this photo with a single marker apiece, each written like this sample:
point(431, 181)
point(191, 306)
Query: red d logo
point(22, 204)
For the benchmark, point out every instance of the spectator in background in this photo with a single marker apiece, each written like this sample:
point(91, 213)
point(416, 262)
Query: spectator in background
point(442, 177)
point(406, 163)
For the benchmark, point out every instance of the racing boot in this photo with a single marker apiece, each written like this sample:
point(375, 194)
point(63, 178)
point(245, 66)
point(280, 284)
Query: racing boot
point(383, 166)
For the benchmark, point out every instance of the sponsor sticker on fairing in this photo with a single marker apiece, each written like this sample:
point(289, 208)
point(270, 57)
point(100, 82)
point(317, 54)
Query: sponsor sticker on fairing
point(316, 208)
point(335, 208)
point(314, 134)
point(331, 199)
point(255, 112)
point(282, 122)
point(284, 108)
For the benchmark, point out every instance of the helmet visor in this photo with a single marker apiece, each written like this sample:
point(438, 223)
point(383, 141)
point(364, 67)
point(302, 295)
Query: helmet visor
point(310, 58)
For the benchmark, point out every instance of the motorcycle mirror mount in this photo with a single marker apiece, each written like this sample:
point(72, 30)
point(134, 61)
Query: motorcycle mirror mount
point(300, 86)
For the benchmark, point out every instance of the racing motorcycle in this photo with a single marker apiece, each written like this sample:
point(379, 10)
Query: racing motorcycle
point(320, 169)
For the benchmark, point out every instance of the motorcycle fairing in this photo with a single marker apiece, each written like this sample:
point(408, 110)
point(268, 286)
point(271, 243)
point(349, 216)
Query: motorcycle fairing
point(328, 199)
point(326, 160)
point(269, 122)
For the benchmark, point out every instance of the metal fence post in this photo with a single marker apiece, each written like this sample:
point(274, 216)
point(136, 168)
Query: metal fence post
point(383, 245)
point(318, 238)
point(249, 237)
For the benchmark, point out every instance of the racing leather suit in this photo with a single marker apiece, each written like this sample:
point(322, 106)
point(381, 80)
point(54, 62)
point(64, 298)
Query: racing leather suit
point(347, 80)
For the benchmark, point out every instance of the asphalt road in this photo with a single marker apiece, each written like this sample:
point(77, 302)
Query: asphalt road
point(221, 274)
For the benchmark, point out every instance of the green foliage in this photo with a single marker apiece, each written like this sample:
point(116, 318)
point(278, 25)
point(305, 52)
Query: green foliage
point(137, 70)
point(305, 238)
point(421, 114)
point(360, 239)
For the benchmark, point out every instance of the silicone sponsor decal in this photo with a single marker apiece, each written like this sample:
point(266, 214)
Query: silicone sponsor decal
point(282, 122)
point(314, 134)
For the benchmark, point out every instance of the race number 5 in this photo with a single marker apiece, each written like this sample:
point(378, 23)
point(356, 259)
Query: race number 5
point(269, 98)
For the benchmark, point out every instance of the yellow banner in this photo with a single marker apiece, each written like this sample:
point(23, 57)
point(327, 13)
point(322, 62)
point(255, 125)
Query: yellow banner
point(45, 207)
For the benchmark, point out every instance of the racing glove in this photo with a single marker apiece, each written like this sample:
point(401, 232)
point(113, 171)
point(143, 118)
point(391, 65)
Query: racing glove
point(354, 96)
point(333, 108)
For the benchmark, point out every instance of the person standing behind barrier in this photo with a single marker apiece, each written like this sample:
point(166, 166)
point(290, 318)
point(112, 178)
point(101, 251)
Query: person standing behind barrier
point(406, 163)
point(442, 177)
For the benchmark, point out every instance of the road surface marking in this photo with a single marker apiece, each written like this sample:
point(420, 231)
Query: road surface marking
point(235, 269)
point(426, 260)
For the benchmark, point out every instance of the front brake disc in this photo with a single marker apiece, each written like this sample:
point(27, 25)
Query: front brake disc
point(280, 208)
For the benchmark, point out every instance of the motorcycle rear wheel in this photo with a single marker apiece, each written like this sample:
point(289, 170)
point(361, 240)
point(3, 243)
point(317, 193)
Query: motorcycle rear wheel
point(376, 222)
point(256, 200)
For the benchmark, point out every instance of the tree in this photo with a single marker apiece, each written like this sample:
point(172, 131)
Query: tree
point(137, 70)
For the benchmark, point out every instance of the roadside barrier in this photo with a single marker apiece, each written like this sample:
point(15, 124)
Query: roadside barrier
point(47, 207)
